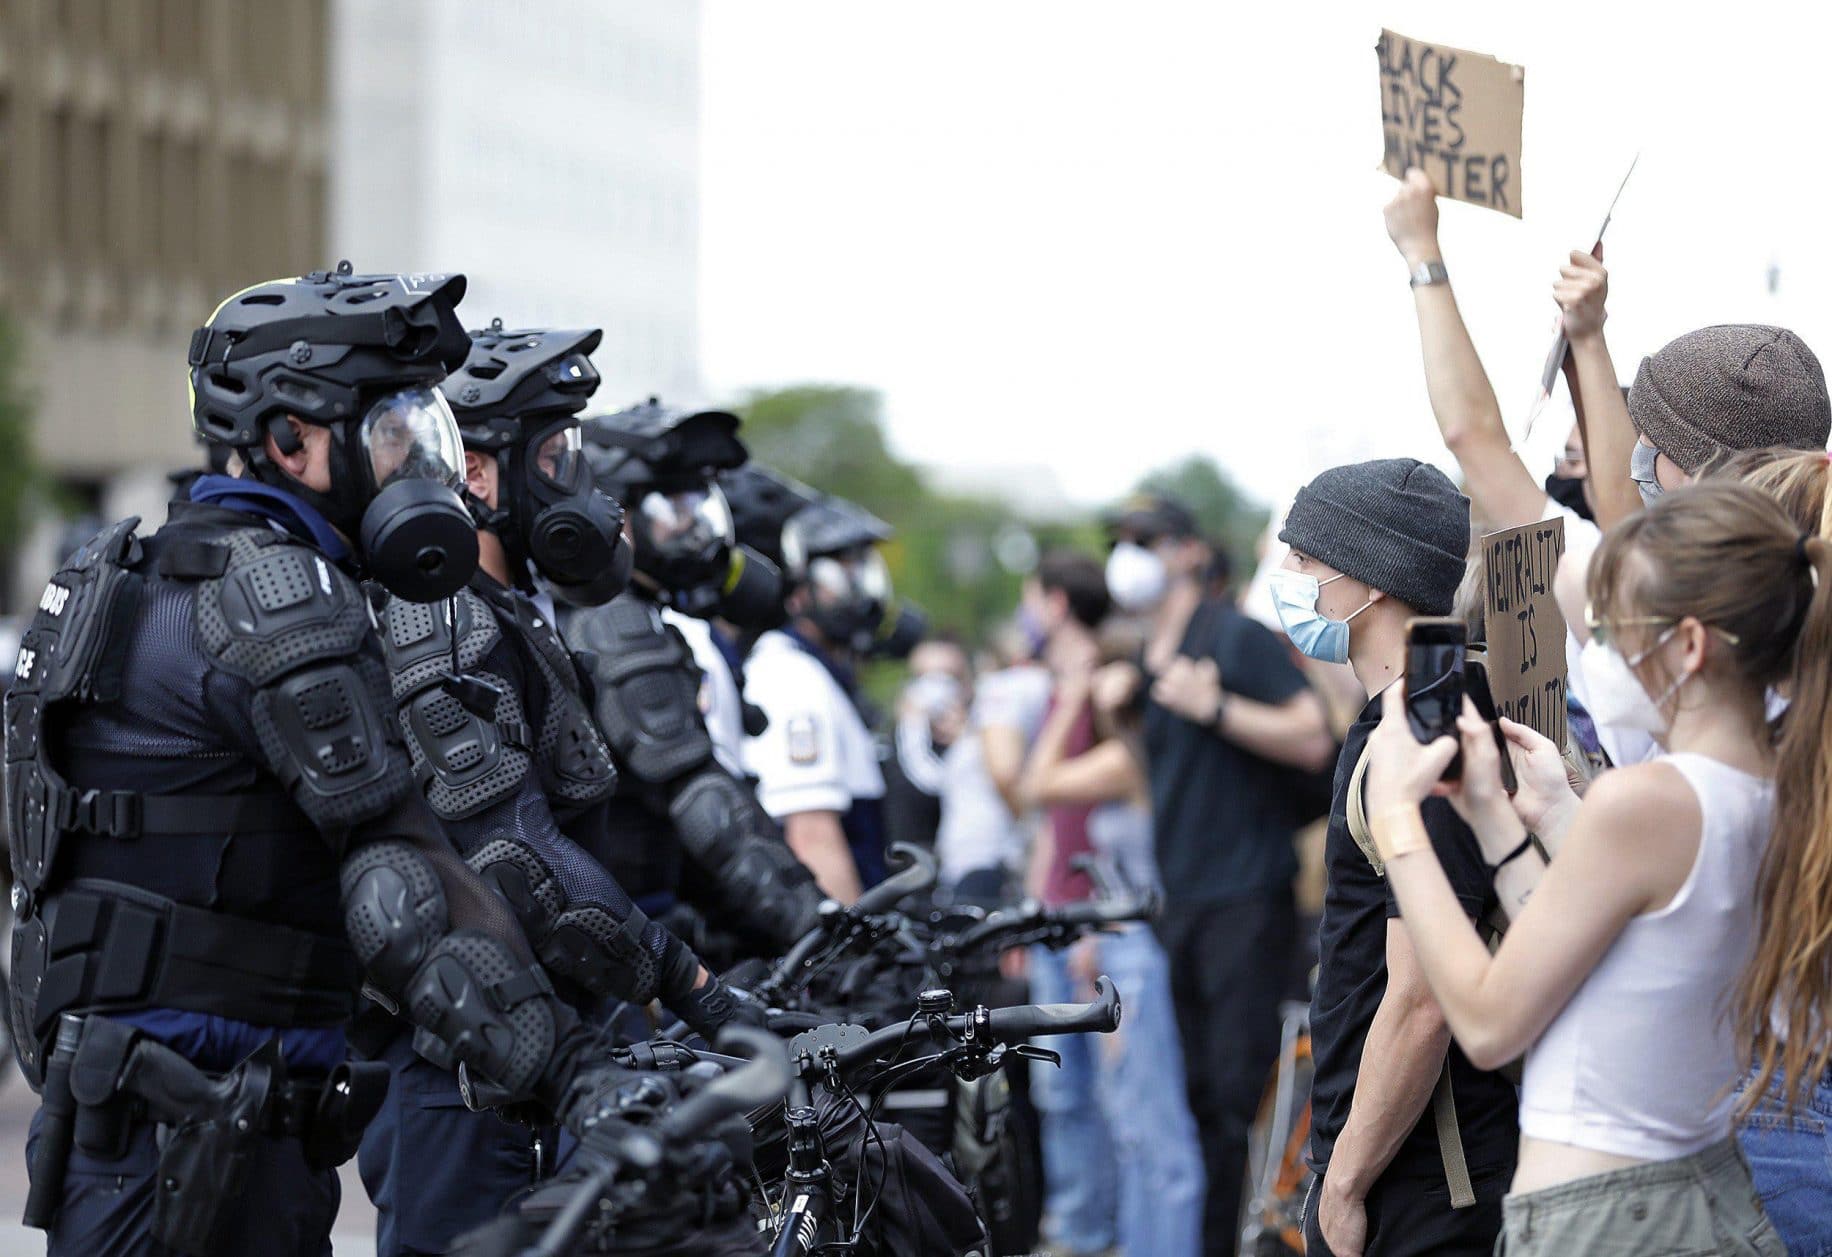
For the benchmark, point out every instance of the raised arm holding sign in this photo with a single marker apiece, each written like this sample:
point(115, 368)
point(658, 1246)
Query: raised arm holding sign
point(1456, 116)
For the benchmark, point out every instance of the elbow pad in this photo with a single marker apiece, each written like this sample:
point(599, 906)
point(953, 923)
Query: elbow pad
point(465, 988)
point(611, 949)
point(727, 833)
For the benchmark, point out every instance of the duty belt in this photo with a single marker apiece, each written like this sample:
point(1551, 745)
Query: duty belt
point(105, 1076)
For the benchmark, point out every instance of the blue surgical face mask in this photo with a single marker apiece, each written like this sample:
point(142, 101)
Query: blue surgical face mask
point(1294, 595)
point(1641, 459)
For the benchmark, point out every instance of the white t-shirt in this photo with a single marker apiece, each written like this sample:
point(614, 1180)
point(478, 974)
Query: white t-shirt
point(977, 830)
point(817, 755)
point(720, 705)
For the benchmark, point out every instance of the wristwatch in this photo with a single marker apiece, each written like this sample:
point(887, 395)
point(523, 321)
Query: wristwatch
point(1429, 273)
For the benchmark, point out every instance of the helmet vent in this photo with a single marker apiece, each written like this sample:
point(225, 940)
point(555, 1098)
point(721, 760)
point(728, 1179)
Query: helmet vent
point(264, 299)
point(487, 370)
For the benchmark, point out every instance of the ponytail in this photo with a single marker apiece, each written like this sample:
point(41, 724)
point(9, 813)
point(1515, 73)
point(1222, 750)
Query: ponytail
point(1784, 1004)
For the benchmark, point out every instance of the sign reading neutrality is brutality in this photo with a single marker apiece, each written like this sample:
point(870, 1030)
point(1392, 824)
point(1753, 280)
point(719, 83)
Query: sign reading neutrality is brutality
point(1526, 629)
point(1456, 116)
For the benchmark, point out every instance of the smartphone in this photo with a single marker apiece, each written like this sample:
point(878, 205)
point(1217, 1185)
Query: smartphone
point(1434, 681)
point(1475, 681)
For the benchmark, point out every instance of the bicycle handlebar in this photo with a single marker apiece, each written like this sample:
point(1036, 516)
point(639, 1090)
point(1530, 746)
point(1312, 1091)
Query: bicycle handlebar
point(761, 1076)
point(1003, 1025)
point(1033, 916)
point(917, 871)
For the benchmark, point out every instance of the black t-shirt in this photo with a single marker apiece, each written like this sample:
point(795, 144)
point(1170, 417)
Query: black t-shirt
point(1222, 823)
point(1352, 979)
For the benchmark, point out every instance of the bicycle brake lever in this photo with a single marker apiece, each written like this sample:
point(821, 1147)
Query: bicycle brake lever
point(1030, 1052)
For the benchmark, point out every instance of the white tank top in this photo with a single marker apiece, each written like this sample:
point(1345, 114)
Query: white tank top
point(1642, 1061)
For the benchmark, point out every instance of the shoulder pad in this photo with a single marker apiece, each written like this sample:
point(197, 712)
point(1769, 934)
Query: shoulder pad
point(278, 606)
point(286, 619)
point(575, 763)
point(463, 762)
point(647, 688)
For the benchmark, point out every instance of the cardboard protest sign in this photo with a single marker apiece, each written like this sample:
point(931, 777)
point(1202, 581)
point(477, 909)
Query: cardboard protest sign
point(1526, 629)
point(1456, 116)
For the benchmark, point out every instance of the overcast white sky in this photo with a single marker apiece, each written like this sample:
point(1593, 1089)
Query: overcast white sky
point(1099, 236)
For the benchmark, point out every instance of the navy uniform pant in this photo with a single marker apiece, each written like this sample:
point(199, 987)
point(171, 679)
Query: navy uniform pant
point(433, 1168)
point(285, 1208)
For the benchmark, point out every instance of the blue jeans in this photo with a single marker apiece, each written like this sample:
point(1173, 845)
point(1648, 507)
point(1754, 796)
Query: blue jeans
point(1790, 1157)
point(1140, 1085)
point(1079, 1167)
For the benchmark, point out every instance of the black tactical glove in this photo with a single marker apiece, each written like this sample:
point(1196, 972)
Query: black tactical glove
point(711, 1006)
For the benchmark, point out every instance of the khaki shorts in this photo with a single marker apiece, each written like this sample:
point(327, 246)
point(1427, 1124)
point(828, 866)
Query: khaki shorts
point(1703, 1204)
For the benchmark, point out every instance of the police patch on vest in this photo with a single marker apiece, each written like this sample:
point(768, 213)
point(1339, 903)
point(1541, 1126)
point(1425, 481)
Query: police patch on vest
point(804, 740)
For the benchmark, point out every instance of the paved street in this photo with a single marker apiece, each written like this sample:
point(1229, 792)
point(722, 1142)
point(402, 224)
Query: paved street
point(355, 1234)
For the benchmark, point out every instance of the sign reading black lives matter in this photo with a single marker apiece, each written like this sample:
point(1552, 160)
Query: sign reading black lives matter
point(1456, 116)
point(1526, 629)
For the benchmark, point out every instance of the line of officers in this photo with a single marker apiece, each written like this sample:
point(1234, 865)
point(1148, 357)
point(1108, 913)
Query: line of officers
point(406, 768)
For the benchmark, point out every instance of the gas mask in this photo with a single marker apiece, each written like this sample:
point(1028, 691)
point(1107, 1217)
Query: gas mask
point(848, 594)
point(550, 517)
point(395, 478)
point(684, 539)
point(900, 631)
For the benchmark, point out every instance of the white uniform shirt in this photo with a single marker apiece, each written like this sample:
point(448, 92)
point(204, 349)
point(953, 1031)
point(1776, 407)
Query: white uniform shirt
point(720, 705)
point(817, 755)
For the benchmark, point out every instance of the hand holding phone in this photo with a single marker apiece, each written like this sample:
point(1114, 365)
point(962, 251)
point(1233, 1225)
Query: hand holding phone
point(1475, 682)
point(1435, 647)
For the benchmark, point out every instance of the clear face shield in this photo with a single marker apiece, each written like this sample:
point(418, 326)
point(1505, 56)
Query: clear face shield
point(558, 458)
point(416, 537)
point(855, 577)
point(684, 526)
point(411, 435)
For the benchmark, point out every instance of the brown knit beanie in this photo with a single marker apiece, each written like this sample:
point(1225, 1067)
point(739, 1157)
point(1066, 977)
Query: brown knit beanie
point(1737, 386)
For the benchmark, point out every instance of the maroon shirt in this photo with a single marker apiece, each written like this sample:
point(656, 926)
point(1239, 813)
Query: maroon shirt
point(1063, 884)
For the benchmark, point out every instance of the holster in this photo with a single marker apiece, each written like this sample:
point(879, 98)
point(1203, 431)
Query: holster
point(119, 1076)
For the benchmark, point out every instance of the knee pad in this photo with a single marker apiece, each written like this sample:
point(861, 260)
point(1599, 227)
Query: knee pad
point(394, 910)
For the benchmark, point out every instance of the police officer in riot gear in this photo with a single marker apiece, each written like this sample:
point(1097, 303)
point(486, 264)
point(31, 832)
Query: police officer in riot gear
point(214, 827)
point(686, 819)
point(816, 762)
point(515, 767)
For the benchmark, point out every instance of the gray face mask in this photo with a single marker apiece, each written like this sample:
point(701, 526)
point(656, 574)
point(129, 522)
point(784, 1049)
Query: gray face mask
point(1641, 471)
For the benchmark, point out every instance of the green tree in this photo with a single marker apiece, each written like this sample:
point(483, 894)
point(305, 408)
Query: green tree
point(945, 556)
point(1233, 520)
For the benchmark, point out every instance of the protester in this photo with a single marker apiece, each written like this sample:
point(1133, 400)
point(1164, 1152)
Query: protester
point(986, 829)
point(1226, 705)
point(1615, 976)
point(1066, 597)
point(1160, 1187)
point(1372, 545)
point(931, 716)
point(1790, 1152)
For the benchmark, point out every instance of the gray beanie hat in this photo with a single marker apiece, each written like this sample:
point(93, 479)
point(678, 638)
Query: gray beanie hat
point(1395, 524)
point(1739, 386)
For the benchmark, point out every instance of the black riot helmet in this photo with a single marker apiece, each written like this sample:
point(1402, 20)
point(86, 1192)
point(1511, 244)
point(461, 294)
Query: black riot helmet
point(830, 548)
point(762, 501)
point(517, 399)
point(663, 464)
point(361, 356)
